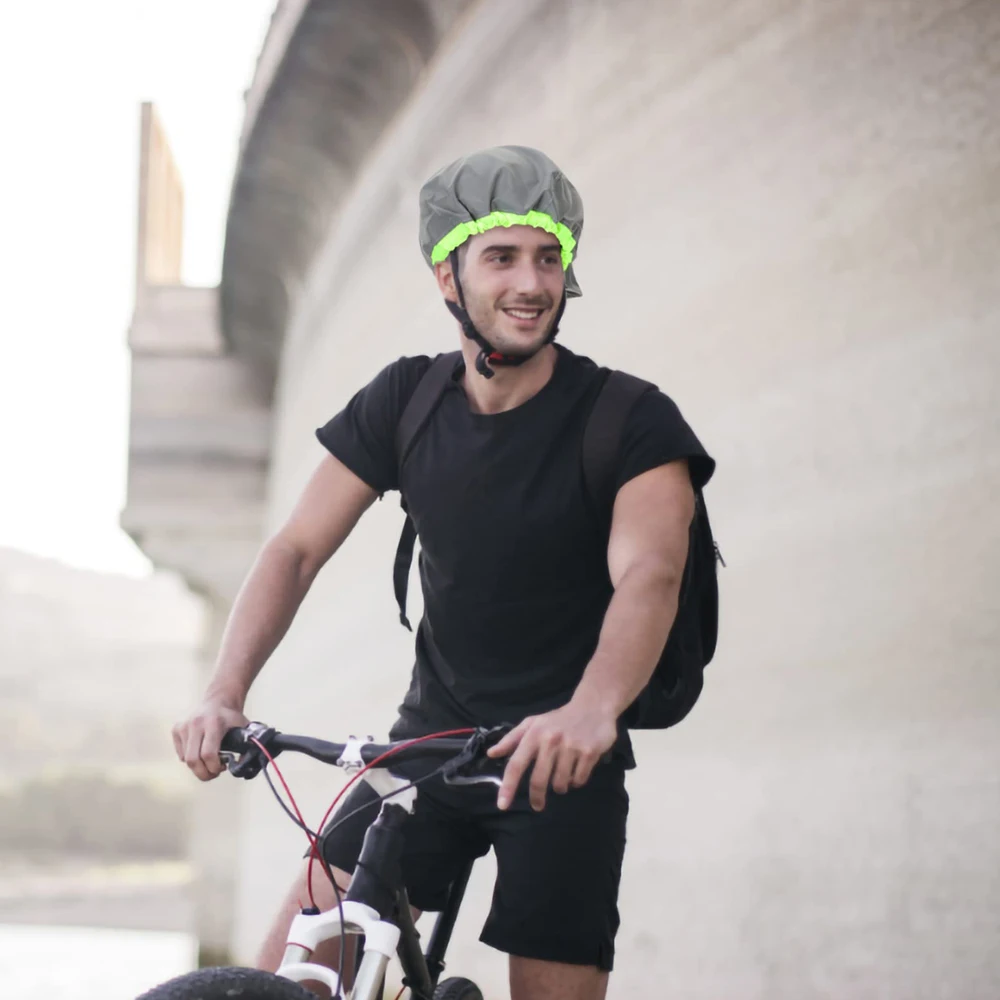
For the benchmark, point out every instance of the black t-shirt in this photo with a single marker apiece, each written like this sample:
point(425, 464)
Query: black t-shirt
point(514, 558)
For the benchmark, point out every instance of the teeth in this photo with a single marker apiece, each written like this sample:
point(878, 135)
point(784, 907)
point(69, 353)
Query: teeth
point(523, 313)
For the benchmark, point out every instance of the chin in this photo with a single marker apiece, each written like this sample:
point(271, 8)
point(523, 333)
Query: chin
point(522, 344)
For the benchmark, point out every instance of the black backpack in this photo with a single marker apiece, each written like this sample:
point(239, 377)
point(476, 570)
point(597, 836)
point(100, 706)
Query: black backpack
point(677, 681)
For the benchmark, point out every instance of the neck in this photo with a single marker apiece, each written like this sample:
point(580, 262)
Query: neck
point(509, 387)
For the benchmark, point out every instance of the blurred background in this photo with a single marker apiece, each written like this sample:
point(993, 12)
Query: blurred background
point(792, 226)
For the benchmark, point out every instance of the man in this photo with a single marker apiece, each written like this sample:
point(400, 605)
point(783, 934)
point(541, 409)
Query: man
point(537, 610)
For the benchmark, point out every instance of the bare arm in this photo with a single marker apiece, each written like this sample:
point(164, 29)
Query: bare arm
point(646, 556)
point(326, 513)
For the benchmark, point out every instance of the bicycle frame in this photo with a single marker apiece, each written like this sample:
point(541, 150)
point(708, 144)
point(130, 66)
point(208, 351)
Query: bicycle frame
point(377, 908)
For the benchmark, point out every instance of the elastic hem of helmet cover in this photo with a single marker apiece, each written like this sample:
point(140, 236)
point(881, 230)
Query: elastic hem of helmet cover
point(540, 220)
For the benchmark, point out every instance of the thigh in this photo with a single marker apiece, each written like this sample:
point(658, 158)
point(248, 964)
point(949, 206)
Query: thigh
point(558, 872)
point(438, 842)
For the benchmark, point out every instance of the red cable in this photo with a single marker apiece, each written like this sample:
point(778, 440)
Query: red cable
point(295, 806)
point(313, 853)
point(313, 841)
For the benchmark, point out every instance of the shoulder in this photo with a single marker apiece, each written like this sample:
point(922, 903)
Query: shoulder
point(656, 432)
point(578, 367)
point(655, 408)
point(388, 393)
point(398, 379)
point(363, 434)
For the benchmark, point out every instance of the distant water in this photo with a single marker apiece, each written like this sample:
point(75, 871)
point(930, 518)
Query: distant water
point(83, 963)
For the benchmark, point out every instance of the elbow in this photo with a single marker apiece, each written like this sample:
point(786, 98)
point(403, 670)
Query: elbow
point(294, 560)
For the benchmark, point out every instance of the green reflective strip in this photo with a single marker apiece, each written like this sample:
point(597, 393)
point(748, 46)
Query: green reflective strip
point(540, 220)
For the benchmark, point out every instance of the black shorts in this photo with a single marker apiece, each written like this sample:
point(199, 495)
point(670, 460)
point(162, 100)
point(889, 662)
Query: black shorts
point(556, 892)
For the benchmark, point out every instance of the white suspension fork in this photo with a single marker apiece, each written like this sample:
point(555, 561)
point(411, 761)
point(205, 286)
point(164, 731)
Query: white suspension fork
point(307, 931)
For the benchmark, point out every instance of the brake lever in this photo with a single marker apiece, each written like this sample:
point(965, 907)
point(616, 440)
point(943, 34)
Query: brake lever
point(483, 779)
point(252, 761)
point(474, 753)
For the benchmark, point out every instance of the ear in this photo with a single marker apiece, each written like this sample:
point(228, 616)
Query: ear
point(446, 280)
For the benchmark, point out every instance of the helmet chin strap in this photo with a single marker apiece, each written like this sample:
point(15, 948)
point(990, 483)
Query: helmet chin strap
point(488, 354)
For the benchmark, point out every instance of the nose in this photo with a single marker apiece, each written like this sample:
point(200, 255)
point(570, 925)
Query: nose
point(528, 277)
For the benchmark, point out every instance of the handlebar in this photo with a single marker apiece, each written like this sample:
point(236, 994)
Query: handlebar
point(244, 758)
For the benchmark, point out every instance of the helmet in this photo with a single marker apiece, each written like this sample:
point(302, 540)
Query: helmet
point(501, 186)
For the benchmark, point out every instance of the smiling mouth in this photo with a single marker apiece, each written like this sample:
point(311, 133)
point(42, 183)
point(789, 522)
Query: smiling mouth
point(524, 315)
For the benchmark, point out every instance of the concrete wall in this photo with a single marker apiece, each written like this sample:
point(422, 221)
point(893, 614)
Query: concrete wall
point(198, 452)
point(793, 224)
point(198, 430)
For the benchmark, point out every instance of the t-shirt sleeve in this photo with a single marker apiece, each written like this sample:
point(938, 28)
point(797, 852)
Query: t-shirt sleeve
point(656, 434)
point(363, 434)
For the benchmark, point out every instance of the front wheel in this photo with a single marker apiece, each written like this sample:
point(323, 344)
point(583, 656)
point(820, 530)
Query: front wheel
point(227, 983)
point(457, 989)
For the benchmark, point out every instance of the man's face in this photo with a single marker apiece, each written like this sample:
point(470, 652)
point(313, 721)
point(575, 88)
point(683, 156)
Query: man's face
point(513, 281)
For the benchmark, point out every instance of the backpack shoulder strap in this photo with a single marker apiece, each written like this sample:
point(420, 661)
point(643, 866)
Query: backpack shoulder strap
point(416, 414)
point(603, 432)
point(424, 402)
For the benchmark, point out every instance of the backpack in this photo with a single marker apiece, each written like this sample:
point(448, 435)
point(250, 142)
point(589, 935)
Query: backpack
point(677, 680)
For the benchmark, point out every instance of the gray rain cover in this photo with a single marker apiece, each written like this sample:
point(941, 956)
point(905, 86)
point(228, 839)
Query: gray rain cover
point(511, 180)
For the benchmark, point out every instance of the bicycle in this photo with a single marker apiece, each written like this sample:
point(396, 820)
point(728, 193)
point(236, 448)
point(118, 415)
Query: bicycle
point(375, 908)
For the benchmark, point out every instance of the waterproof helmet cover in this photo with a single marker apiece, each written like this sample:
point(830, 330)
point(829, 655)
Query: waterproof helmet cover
point(501, 186)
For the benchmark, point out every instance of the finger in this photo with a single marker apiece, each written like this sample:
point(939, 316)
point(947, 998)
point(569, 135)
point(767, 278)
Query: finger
point(192, 752)
point(177, 735)
point(192, 742)
point(514, 771)
point(210, 744)
point(545, 761)
point(565, 767)
point(202, 769)
point(584, 767)
point(511, 741)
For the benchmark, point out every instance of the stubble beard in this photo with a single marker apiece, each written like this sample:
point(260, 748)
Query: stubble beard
point(487, 320)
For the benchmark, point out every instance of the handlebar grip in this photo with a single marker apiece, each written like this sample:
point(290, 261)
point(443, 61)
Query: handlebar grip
point(247, 744)
point(235, 741)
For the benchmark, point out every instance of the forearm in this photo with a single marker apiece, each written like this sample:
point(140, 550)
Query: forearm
point(632, 637)
point(260, 617)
